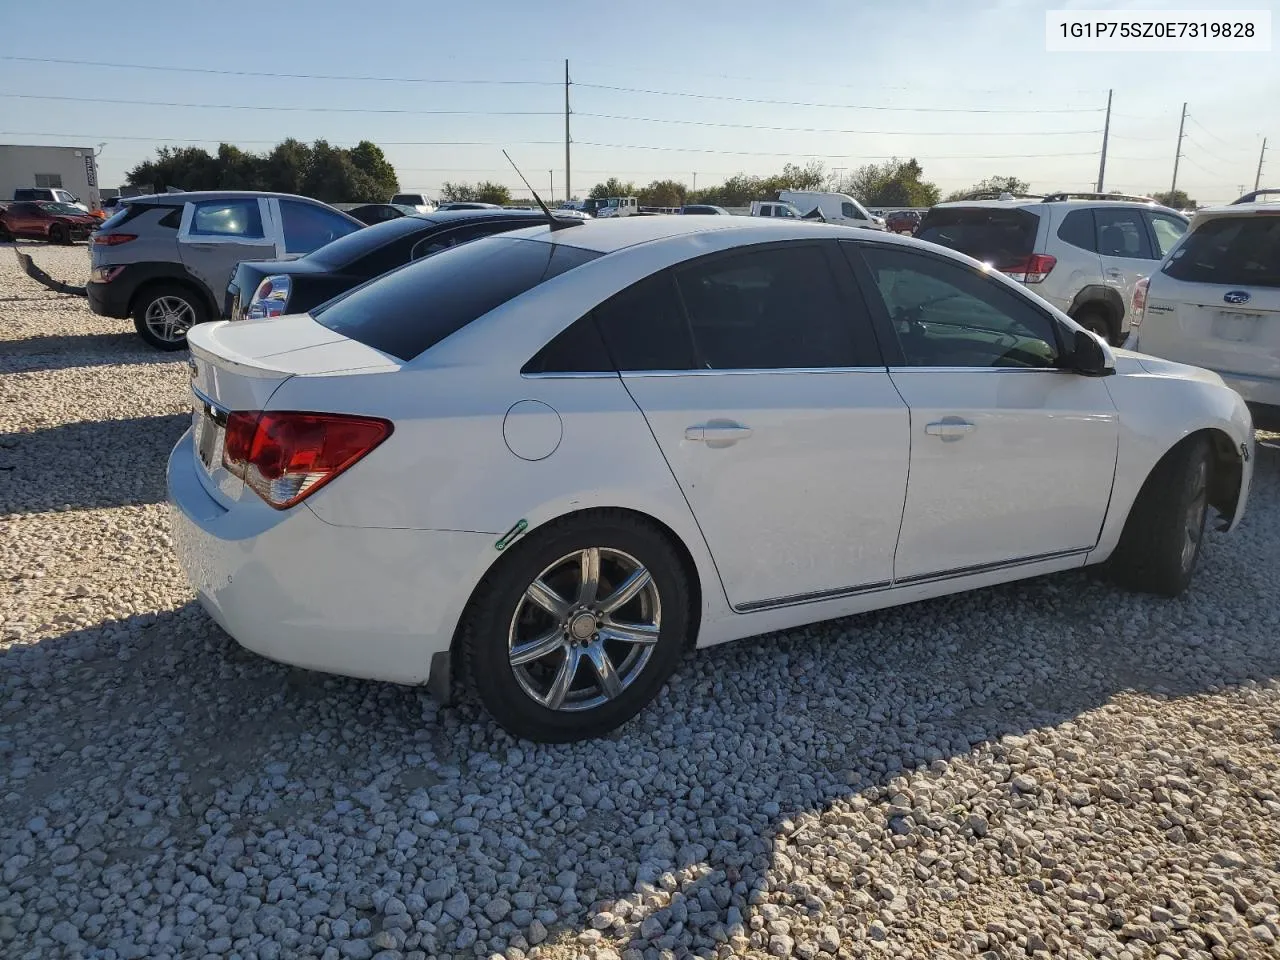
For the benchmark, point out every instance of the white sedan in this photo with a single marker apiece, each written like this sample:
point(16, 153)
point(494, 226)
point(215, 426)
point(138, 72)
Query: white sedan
point(549, 462)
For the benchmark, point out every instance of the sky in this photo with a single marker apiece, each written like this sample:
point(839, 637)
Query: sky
point(658, 89)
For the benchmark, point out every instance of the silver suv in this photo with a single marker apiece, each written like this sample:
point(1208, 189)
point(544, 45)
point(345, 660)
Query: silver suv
point(1083, 252)
point(165, 260)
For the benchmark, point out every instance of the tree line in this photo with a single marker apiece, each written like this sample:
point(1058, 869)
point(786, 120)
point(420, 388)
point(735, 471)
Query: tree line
point(359, 174)
point(362, 174)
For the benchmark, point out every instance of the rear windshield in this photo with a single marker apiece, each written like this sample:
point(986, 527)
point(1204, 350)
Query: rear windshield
point(350, 248)
point(1242, 251)
point(411, 199)
point(410, 310)
point(999, 237)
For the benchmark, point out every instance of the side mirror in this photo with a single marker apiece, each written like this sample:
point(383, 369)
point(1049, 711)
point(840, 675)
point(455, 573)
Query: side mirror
point(1090, 356)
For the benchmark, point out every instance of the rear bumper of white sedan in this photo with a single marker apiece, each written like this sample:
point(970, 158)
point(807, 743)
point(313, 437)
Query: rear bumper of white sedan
point(361, 602)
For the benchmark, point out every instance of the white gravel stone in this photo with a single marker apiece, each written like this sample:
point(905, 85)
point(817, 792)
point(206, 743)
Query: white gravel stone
point(1001, 773)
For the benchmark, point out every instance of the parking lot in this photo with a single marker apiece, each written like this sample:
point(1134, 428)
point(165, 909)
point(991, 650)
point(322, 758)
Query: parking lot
point(1054, 767)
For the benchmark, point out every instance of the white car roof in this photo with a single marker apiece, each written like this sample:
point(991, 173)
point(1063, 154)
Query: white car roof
point(617, 233)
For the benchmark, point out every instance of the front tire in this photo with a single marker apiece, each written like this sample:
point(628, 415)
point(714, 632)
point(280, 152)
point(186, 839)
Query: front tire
point(1161, 541)
point(163, 314)
point(1096, 322)
point(577, 629)
point(59, 234)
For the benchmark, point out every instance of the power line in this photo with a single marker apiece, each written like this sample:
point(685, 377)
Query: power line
point(478, 82)
point(1201, 146)
point(886, 133)
point(287, 76)
point(1218, 138)
point(829, 106)
point(821, 156)
point(255, 106)
point(385, 143)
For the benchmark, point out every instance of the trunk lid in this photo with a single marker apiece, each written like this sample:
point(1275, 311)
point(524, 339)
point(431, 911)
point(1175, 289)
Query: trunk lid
point(240, 366)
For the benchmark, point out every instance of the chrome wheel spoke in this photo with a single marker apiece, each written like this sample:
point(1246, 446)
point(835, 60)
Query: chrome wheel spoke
point(589, 575)
point(627, 591)
point(645, 634)
point(537, 649)
point(548, 599)
point(610, 684)
point(564, 678)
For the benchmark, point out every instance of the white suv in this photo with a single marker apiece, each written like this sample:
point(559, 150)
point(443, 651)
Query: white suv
point(1215, 302)
point(1083, 252)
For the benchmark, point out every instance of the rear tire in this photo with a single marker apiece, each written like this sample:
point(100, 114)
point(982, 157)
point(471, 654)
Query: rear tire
point(562, 694)
point(1095, 321)
point(164, 313)
point(59, 234)
point(1162, 537)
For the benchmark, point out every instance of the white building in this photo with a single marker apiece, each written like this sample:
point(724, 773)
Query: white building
point(71, 168)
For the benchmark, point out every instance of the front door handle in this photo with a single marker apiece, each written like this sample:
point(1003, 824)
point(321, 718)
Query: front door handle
point(717, 433)
point(952, 428)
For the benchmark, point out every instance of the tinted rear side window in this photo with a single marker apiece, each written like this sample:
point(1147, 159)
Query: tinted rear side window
point(1078, 230)
point(644, 327)
point(999, 237)
point(412, 309)
point(1231, 250)
point(355, 245)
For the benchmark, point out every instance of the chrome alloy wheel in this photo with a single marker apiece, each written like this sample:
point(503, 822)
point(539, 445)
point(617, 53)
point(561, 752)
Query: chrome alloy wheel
point(1193, 522)
point(169, 318)
point(584, 629)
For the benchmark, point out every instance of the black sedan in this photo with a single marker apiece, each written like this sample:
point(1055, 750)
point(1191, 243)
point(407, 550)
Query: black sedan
point(268, 288)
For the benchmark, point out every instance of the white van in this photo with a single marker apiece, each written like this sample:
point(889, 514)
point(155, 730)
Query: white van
point(616, 207)
point(774, 208)
point(834, 207)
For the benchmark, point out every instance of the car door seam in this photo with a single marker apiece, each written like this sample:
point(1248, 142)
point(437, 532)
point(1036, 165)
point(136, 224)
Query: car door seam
point(674, 479)
point(906, 490)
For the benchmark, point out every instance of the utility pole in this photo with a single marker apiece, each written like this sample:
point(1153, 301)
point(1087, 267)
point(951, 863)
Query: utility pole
point(1106, 131)
point(1178, 153)
point(568, 180)
point(1258, 176)
point(695, 182)
point(551, 179)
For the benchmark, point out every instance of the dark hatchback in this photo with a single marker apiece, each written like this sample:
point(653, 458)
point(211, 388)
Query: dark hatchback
point(269, 288)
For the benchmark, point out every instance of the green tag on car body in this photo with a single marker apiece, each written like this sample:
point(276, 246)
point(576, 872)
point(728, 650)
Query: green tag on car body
point(511, 535)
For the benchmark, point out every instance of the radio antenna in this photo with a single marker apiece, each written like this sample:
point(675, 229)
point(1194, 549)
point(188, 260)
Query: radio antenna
point(551, 220)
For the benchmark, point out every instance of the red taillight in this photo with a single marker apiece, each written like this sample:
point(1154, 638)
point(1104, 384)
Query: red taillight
point(1031, 270)
point(1139, 302)
point(286, 456)
point(113, 239)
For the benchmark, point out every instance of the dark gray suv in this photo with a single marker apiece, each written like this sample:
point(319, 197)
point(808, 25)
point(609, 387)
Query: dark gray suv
point(165, 260)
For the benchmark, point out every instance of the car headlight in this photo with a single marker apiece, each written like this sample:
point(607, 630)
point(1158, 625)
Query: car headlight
point(271, 299)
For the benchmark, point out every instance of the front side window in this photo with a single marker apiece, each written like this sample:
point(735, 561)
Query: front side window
point(410, 310)
point(847, 210)
point(1242, 250)
point(1121, 233)
point(950, 315)
point(308, 228)
point(1167, 230)
point(236, 219)
point(776, 308)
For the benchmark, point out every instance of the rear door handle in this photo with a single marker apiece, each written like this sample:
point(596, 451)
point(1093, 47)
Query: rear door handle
point(952, 428)
point(717, 433)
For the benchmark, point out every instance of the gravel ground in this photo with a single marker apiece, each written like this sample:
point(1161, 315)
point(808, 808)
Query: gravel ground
point(1050, 768)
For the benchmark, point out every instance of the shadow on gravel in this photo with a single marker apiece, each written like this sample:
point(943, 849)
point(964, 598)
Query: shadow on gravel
point(98, 463)
point(81, 350)
point(747, 741)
